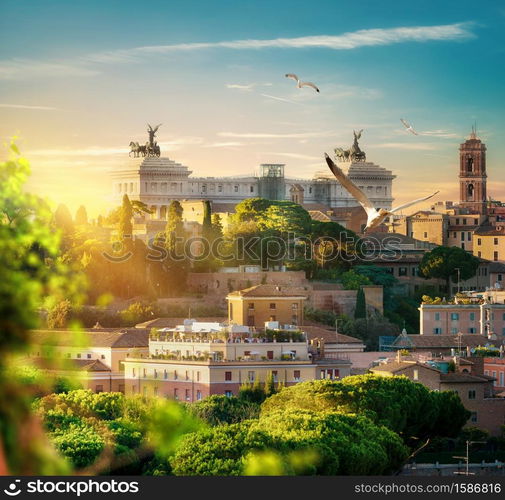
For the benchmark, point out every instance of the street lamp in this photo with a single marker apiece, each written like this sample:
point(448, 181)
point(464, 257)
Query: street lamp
point(467, 458)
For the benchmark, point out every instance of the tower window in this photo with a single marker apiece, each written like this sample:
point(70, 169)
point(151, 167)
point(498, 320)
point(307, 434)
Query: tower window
point(469, 165)
point(470, 191)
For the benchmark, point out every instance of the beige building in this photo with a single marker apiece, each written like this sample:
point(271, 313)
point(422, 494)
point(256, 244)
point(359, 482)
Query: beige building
point(266, 303)
point(93, 357)
point(475, 391)
point(490, 243)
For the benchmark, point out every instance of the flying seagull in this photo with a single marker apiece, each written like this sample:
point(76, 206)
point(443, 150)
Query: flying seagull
point(300, 84)
point(374, 216)
point(408, 126)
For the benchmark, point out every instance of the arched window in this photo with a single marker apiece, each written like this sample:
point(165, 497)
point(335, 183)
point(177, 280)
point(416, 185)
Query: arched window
point(470, 191)
point(469, 165)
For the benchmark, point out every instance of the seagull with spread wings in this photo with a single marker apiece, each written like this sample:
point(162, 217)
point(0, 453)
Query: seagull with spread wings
point(300, 84)
point(374, 216)
point(408, 126)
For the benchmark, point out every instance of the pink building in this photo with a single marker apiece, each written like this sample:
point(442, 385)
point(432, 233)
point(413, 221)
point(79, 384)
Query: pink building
point(450, 319)
point(495, 367)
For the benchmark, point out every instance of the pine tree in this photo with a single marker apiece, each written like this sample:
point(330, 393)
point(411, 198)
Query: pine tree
point(125, 227)
point(81, 216)
point(360, 310)
point(217, 226)
point(175, 226)
point(207, 221)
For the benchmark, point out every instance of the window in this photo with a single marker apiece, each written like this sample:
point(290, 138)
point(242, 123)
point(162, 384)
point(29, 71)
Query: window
point(165, 374)
point(251, 376)
point(228, 394)
point(425, 234)
point(500, 277)
point(495, 241)
point(176, 393)
point(472, 330)
point(479, 254)
point(296, 375)
point(270, 354)
point(79, 356)
point(503, 331)
point(402, 271)
point(454, 316)
point(187, 375)
point(472, 316)
point(437, 316)
point(457, 222)
point(437, 331)
point(462, 236)
point(251, 306)
point(133, 372)
point(144, 372)
point(198, 376)
point(220, 189)
point(272, 305)
point(175, 375)
point(473, 416)
point(479, 241)
point(294, 305)
point(188, 397)
point(155, 373)
point(89, 356)
point(454, 331)
point(251, 189)
point(495, 255)
point(235, 189)
point(198, 395)
point(98, 388)
point(464, 222)
point(274, 374)
point(502, 376)
point(103, 356)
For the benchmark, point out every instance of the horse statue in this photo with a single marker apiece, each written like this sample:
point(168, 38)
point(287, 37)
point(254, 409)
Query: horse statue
point(342, 154)
point(355, 152)
point(152, 149)
point(137, 149)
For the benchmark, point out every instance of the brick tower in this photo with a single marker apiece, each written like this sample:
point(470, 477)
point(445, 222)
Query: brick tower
point(472, 174)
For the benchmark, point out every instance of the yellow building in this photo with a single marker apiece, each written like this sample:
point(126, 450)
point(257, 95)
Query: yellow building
point(490, 243)
point(259, 304)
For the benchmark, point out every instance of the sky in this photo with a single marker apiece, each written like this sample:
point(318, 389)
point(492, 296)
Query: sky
point(80, 80)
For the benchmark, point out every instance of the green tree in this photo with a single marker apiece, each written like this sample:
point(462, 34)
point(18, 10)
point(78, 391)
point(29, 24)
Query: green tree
point(443, 263)
point(217, 410)
point(81, 216)
point(217, 226)
point(32, 277)
point(360, 310)
point(207, 221)
point(352, 280)
point(59, 315)
point(125, 225)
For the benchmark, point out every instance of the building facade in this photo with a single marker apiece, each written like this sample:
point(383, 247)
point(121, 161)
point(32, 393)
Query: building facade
point(195, 360)
point(157, 181)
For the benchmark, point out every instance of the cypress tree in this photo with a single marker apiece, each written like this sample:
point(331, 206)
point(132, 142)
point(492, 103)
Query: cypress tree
point(81, 216)
point(360, 311)
point(125, 227)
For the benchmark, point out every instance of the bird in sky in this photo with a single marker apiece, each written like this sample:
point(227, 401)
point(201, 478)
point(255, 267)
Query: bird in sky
point(300, 84)
point(374, 216)
point(408, 126)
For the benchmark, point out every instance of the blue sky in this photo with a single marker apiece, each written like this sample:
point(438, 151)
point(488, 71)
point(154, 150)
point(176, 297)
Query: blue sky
point(79, 80)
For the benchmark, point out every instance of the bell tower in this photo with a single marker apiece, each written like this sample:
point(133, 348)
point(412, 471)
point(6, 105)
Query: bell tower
point(472, 174)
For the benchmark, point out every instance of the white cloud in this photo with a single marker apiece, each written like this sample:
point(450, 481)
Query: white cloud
point(295, 156)
point(279, 98)
point(410, 146)
point(346, 41)
point(225, 144)
point(27, 106)
point(25, 69)
point(296, 135)
point(444, 134)
point(246, 88)
point(80, 66)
